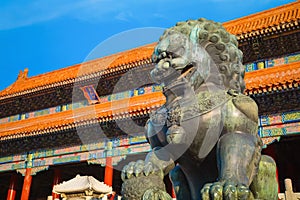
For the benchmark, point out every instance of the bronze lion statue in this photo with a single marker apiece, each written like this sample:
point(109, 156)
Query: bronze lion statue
point(205, 135)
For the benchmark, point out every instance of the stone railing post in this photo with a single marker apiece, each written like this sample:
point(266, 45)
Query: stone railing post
point(289, 194)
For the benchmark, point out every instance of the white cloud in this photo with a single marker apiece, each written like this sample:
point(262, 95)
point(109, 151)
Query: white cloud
point(22, 13)
point(19, 13)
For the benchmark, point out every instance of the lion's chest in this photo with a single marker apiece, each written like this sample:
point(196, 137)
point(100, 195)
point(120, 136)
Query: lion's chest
point(201, 118)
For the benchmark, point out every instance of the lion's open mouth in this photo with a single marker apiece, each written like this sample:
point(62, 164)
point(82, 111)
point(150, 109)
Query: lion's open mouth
point(187, 72)
point(177, 84)
point(184, 76)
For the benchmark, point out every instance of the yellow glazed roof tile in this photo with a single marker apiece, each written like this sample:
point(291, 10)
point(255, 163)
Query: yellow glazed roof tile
point(269, 18)
point(69, 74)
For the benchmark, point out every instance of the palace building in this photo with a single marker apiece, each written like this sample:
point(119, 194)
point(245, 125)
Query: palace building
point(88, 118)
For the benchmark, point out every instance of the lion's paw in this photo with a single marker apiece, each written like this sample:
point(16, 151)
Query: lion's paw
point(226, 191)
point(140, 179)
point(140, 168)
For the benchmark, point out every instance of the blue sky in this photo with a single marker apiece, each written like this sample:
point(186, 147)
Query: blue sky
point(45, 35)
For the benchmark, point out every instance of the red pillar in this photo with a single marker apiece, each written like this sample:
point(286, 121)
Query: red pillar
point(108, 174)
point(169, 187)
point(56, 181)
point(26, 185)
point(277, 178)
point(11, 194)
point(173, 194)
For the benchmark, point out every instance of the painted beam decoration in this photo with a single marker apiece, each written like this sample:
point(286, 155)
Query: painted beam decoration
point(261, 64)
point(285, 117)
point(131, 93)
point(280, 130)
point(272, 127)
point(13, 162)
point(92, 153)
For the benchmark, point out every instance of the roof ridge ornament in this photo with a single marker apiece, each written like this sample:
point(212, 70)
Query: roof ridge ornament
point(23, 74)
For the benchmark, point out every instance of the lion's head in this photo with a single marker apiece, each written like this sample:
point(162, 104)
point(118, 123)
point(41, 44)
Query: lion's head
point(202, 48)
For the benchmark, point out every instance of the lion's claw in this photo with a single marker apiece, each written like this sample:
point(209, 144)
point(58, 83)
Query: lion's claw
point(148, 169)
point(136, 169)
point(143, 180)
point(243, 192)
point(230, 191)
point(226, 191)
point(216, 191)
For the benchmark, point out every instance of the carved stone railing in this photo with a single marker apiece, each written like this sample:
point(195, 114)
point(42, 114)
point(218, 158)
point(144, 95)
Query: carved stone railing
point(289, 194)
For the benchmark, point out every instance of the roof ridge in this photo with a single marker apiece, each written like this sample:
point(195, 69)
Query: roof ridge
point(87, 62)
point(81, 69)
point(91, 61)
point(264, 19)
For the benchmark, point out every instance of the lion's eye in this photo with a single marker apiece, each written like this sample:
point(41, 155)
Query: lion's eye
point(170, 55)
point(162, 55)
point(154, 58)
